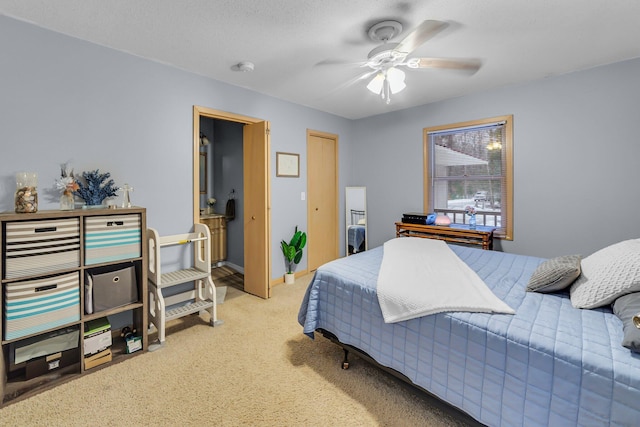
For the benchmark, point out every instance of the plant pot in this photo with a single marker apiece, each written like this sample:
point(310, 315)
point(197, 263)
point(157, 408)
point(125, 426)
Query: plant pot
point(289, 278)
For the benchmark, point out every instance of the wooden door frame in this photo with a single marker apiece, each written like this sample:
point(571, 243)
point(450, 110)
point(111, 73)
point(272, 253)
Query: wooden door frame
point(334, 137)
point(198, 112)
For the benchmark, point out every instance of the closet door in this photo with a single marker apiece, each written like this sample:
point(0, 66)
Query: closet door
point(256, 209)
point(322, 206)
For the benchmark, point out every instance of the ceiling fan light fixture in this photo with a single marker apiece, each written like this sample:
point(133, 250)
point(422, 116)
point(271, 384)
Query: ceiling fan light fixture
point(375, 85)
point(397, 87)
point(387, 61)
point(386, 83)
point(396, 80)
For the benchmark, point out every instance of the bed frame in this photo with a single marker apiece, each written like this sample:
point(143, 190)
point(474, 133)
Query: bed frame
point(435, 400)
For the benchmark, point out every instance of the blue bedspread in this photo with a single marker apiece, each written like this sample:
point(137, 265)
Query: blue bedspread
point(549, 365)
point(356, 236)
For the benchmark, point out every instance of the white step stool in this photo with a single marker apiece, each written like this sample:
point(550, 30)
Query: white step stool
point(201, 298)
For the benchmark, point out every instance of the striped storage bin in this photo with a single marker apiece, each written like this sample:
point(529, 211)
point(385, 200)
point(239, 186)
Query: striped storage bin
point(39, 247)
point(111, 238)
point(33, 306)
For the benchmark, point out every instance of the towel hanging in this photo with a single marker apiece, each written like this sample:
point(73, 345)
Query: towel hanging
point(230, 210)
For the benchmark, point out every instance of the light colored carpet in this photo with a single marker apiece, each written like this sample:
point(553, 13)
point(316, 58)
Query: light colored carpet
point(257, 369)
point(221, 293)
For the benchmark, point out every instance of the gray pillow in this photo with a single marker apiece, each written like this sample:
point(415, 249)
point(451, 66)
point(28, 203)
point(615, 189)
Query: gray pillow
point(608, 274)
point(625, 308)
point(555, 274)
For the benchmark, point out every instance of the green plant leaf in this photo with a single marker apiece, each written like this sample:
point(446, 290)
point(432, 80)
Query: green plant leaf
point(293, 250)
point(295, 239)
point(289, 252)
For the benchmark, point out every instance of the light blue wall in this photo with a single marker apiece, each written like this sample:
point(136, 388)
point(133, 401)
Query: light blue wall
point(576, 159)
point(64, 99)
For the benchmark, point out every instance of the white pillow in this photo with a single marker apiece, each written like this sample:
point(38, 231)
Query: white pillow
point(607, 274)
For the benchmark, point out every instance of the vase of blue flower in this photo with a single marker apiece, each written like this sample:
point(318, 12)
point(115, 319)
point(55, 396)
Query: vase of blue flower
point(68, 184)
point(471, 211)
point(211, 201)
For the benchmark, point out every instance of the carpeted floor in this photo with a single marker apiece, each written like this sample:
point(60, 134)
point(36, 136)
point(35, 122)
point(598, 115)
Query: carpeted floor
point(257, 369)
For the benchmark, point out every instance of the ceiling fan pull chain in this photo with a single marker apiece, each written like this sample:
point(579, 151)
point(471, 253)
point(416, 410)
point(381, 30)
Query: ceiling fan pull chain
point(387, 91)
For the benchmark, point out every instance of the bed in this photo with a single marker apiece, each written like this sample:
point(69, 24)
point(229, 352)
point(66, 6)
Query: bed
point(356, 232)
point(549, 364)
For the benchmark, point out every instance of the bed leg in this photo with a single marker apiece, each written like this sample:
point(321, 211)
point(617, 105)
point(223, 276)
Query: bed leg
point(345, 362)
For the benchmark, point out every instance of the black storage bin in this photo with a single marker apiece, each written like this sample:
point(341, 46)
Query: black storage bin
point(39, 355)
point(52, 362)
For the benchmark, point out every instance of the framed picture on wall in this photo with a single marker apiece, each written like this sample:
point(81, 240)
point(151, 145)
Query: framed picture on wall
point(288, 164)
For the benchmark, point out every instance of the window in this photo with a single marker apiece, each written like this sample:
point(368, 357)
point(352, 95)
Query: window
point(471, 164)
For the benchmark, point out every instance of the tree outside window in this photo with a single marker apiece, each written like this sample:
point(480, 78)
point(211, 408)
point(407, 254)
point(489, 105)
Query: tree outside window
point(470, 164)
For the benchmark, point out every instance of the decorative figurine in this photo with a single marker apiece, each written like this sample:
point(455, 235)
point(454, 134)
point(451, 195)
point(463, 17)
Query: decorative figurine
point(126, 197)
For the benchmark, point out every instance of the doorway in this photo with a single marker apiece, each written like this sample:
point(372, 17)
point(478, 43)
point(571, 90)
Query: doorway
point(256, 194)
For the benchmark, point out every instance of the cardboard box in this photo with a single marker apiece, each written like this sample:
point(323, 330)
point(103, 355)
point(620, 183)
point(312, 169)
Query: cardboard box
point(98, 359)
point(97, 336)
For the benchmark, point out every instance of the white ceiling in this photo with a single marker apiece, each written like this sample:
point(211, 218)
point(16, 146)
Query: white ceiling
point(517, 41)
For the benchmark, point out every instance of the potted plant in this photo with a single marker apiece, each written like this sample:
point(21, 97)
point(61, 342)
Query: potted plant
point(292, 252)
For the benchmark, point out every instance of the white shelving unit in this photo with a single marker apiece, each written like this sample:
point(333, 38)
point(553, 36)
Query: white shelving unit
point(203, 295)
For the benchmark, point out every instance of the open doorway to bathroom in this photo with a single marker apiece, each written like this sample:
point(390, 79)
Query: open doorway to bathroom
point(221, 190)
point(231, 165)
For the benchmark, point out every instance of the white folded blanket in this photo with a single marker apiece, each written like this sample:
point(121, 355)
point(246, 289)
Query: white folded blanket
point(424, 276)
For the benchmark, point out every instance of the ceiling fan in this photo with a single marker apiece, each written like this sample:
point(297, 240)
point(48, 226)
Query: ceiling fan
point(387, 60)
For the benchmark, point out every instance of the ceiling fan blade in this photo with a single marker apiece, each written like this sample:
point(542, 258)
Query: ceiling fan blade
point(421, 34)
point(352, 81)
point(358, 78)
point(468, 65)
point(339, 62)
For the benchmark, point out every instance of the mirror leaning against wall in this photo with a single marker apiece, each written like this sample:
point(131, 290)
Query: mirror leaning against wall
point(356, 219)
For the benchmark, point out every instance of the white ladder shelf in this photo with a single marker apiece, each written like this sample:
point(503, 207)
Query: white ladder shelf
point(201, 298)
